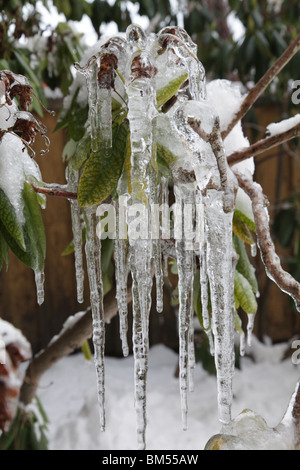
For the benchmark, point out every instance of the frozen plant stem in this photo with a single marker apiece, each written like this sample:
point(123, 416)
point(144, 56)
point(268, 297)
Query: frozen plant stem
point(271, 260)
point(262, 145)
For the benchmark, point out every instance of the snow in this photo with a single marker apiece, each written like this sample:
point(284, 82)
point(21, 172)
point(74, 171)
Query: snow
point(285, 125)
point(68, 394)
point(15, 166)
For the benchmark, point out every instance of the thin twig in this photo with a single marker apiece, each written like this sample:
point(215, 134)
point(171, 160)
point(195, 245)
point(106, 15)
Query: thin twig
point(263, 145)
point(57, 192)
point(262, 84)
point(271, 260)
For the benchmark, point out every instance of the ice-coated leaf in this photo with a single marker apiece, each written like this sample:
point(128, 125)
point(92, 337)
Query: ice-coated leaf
point(243, 294)
point(165, 93)
point(241, 228)
point(102, 170)
point(164, 155)
point(81, 153)
point(243, 264)
point(250, 224)
point(34, 223)
point(9, 220)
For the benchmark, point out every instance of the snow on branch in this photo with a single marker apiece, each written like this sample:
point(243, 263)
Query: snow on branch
point(267, 143)
point(262, 84)
point(271, 260)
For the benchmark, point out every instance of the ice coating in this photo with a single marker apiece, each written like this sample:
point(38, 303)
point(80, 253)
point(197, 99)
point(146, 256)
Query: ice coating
point(204, 190)
point(93, 258)
point(72, 178)
point(197, 123)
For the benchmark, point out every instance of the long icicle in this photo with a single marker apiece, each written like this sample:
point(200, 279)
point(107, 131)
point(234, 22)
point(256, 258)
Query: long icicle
point(93, 259)
point(72, 178)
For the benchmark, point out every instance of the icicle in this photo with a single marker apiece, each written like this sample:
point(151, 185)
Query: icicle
point(208, 158)
point(156, 239)
point(39, 282)
point(250, 326)
point(219, 262)
point(185, 287)
point(121, 274)
point(106, 81)
point(141, 111)
point(93, 259)
point(140, 351)
point(181, 44)
point(90, 72)
point(72, 178)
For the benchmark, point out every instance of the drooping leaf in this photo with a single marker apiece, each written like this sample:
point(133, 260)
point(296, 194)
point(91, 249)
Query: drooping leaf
point(241, 227)
point(164, 94)
point(34, 221)
point(81, 153)
point(9, 220)
point(165, 156)
point(243, 294)
point(103, 168)
point(243, 264)
point(33, 231)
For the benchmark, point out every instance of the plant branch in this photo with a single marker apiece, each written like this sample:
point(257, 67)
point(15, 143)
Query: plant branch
point(65, 343)
point(262, 84)
point(271, 260)
point(263, 145)
point(54, 191)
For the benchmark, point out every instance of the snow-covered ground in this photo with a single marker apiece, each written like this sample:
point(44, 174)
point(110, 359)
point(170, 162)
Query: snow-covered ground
point(68, 394)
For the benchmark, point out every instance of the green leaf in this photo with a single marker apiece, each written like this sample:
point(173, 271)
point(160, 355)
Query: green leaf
point(165, 93)
point(9, 220)
point(33, 232)
point(241, 227)
point(81, 153)
point(86, 350)
point(243, 265)
point(34, 220)
point(102, 170)
point(164, 155)
point(243, 294)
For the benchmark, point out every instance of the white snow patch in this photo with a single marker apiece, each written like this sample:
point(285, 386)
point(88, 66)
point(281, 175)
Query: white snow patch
point(15, 166)
point(69, 396)
point(285, 125)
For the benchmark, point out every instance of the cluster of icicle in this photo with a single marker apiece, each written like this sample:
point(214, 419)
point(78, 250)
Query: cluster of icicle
point(141, 62)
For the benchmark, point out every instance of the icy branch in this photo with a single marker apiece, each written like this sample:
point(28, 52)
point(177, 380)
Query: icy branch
point(57, 191)
point(65, 343)
point(271, 260)
point(262, 84)
point(263, 145)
